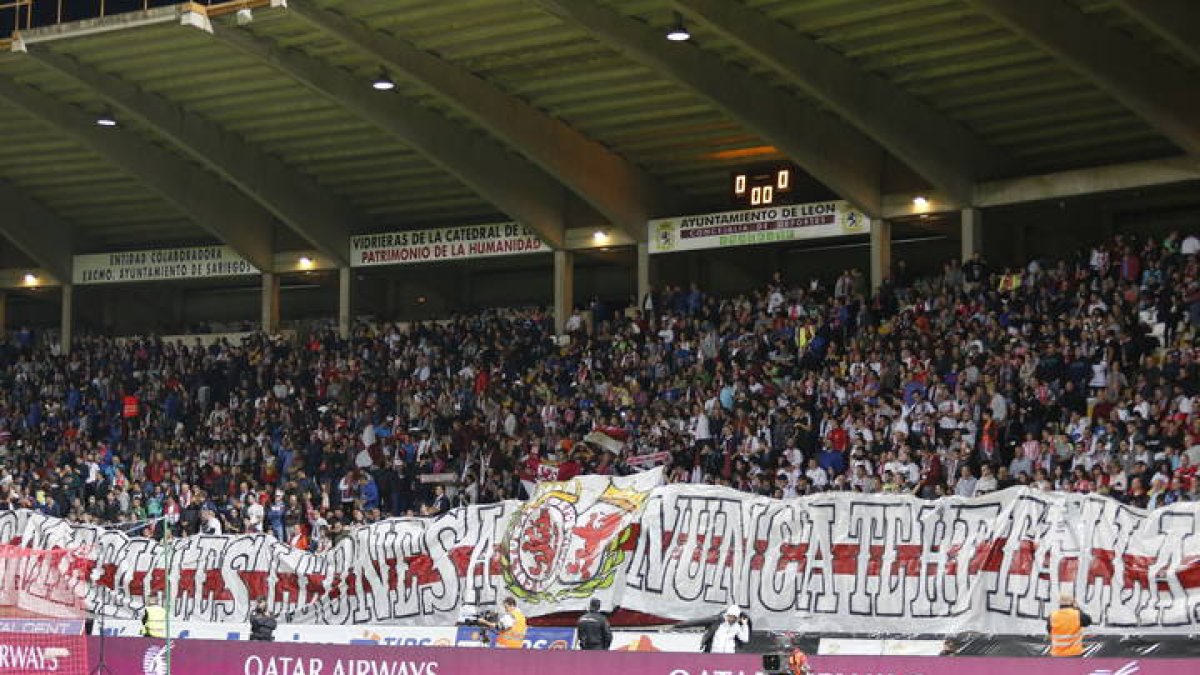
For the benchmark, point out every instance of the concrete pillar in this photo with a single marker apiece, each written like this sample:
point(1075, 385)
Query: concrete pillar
point(270, 302)
point(972, 233)
point(564, 288)
point(881, 251)
point(65, 326)
point(345, 277)
point(643, 272)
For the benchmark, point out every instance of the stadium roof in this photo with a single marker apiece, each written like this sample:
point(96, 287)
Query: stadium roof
point(268, 135)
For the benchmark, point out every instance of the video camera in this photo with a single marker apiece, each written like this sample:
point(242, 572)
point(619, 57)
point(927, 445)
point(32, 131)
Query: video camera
point(786, 664)
point(475, 617)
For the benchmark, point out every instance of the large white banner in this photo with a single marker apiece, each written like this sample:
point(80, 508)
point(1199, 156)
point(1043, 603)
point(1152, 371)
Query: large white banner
point(769, 225)
point(447, 243)
point(193, 262)
point(838, 562)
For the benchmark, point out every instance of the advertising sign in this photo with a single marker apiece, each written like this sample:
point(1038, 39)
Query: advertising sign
point(769, 225)
point(447, 243)
point(168, 264)
point(136, 656)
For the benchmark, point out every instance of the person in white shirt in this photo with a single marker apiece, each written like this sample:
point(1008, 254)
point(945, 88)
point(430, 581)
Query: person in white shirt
point(254, 516)
point(1190, 245)
point(210, 523)
point(732, 630)
point(965, 487)
point(816, 475)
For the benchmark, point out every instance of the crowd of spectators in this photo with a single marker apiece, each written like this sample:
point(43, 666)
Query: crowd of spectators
point(1080, 374)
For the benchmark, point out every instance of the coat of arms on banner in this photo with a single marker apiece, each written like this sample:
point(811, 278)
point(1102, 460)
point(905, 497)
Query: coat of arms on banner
point(568, 540)
point(666, 236)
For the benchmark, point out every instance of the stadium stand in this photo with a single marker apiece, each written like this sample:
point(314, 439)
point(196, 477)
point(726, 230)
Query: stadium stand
point(1077, 374)
point(245, 246)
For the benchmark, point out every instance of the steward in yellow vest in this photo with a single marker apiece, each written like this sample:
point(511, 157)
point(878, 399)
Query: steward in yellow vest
point(1065, 626)
point(511, 625)
point(154, 620)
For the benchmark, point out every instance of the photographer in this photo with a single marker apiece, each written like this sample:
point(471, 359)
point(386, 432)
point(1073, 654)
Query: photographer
point(262, 625)
point(511, 626)
point(727, 633)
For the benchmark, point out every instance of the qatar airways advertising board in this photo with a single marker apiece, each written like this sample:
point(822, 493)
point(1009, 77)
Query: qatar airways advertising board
point(137, 656)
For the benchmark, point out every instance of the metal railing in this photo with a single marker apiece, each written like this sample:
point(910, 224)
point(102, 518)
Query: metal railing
point(23, 15)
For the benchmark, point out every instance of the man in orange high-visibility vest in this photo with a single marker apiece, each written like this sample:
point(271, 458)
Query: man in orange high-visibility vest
point(511, 625)
point(1065, 626)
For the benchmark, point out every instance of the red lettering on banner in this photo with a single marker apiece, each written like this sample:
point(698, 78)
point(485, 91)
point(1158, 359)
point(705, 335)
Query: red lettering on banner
point(108, 578)
point(214, 586)
point(680, 544)
point(158, 580)
point(287, 584)
point(187, 583)
point(81, 567)
point(255, 582)
point(1101, 566)
point(461, 557)
point(698, 550)
point(951, 560)
point(756, 558)
point(1141, 565)
point(908, 561)
point(845, 558)
point(989, 556)
point(419, 569)
point(792, 553)
point(137, 582)
point(1022, 559)
point(1068, 568)
point(1137, 569)
point(314, 586)
point(632, 533)
point(393, 575)
point(1189, 573)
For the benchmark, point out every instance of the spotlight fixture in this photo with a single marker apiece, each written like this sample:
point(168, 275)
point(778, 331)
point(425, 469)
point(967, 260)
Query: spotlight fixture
point(306, 263)
point(383, 82)
point(31, 279)
point(920, 202)
point(600, 236)
point(678, 31)
point(106, 119)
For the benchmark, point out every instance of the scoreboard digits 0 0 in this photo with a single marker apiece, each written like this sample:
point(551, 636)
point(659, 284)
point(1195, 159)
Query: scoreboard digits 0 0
point(763, 186)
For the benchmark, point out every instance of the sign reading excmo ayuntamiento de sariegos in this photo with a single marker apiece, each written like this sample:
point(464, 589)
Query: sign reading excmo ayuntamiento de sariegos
point(768, 225)
point(166, 264)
